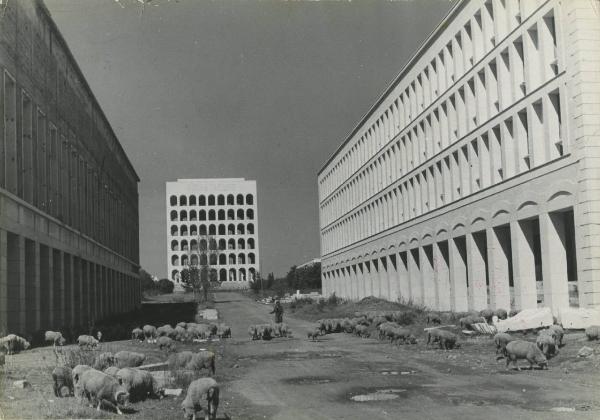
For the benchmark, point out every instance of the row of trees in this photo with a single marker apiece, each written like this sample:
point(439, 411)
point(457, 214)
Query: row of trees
point(303, 278)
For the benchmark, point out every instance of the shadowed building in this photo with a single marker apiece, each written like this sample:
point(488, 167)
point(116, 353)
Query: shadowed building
point(68, 193)
point(473, 181)
point(212, 223)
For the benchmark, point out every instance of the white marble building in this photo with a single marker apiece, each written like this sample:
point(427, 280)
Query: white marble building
point(221, 211)
point(474, 180)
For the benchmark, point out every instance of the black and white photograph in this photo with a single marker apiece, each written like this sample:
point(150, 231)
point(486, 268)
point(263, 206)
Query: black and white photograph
point(300, 209)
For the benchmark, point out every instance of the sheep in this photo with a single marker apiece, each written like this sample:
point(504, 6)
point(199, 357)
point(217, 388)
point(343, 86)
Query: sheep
point(164, 330)
point(62, 377)
point(137, 334)
point(98, 386)
point(433, 336)
point(199, 390)
point(112, 371)
point(202, 360)
point(14, 344)
point(385, 328)
point(87, 341)
point(501, 340)
point(280, 330)
point(501, 313)
point(181, 333)
point(412, 339)
point(313, 335)
point(76, 374)
point(104, 360)
point(560, 332)
point(519, 349)
point(224, 331)
point(447, 340)
point(592, 332)
point(264, 331)
point(469, 320)
point(546, 342)
point(487, 314)
point(180, 360)
point(140, 384)
point(362, 331)
point(55, 337)
point(252, 331)
point(181, 325)
point(165, 342)
point(433, 318)
point(149, 332)
point(396, 334)
point(126, 358)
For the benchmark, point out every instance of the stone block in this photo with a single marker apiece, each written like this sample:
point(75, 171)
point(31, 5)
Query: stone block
point(22, 383)
point(527, 319)
point(578, 318)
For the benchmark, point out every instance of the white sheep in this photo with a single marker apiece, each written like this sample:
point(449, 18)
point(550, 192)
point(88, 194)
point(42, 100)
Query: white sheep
point(137, 334)
point(520, 349)
point(181, 333)
point(181, 324)
point(203, 389)
point(165, 342)
point(104, 360)
point(165, 330)
point(592, 332)
point(501, 340)
point(202, 360)
point(55, 337)
point(547, 343)
point(180, 360)
point(112, 371)
point(223, 331)
point(87, 341)
point(77, 372)
point(140, 384)
point(126, 358)
point(98, 386)
point(559, 333)
point(149, 332)
point(62, 377)
point(14, 344)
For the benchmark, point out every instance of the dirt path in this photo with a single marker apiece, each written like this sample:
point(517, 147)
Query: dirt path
point(298, 379)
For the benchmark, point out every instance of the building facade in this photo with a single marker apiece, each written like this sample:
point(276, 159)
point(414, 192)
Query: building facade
point(474, 181)
point(213, 224)
point(68, 193)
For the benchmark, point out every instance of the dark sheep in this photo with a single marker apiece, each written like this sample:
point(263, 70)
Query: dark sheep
point(501, 340)
point(62, 377)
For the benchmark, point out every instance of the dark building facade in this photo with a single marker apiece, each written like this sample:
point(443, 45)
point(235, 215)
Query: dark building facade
point(68, 193)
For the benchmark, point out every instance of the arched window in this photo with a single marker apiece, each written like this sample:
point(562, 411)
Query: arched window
point(231, 259)
point(183, 231)
point(221, 215)
point(173, 215)
point(222, 259)
point(232, 276)
point(184, 260)
point(240, 200)
point(183, 216)
point(250, 229)
point(194, 245)
point(240, 214)
point(174, 230)
point(249, 214)
point(201, 200)
point(230, 200)
point(212, 229)
point(249, 199)
point(203, 259)
point(184, 245)
point(221, 200)
point(202, 244)
point(173, 200)
point(222, 274)
point(203, 231)
point(175, 275)
point(194, 260)
point(252, 274)
point(213, 259)
point(193, 215)
point(240, 243)
point(242, 274)
point(211, 215)
point(231, 244)
point(193, 230)
point(241, 259)
point(250, 243)
point(251, 258)
point(222, 244)
point(240, 229)
point(231, 229)
point(192, 199)
point(230, 214)
point(222, 229)
point(211, 200)
point(212, 244)
point(174, 260)
point(214, 275)
point(182, 200)
point(174, 245)
point(202, 215)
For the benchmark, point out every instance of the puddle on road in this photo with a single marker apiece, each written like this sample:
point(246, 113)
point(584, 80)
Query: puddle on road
point(381, 395)
point(308, 380)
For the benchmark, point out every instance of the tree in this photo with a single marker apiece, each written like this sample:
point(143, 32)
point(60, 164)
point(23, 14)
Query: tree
point(165, 286)
point(146, 280)
point(198, 274)
point(270, 281)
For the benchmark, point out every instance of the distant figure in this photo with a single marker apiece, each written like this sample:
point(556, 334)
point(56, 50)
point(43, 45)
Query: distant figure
point(278, 311)
point(99, 335)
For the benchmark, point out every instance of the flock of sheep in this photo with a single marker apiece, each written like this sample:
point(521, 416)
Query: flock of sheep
point(269, 331)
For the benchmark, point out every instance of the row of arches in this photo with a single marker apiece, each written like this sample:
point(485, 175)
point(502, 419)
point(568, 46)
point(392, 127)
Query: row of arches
point(212, 244)
point(224, 275)
point(222, 229)
point(211, 200)
point(213, 259)
point(203, 215)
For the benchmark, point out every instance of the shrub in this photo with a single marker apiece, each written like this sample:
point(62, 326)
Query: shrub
point(406, 318)
point(165, 286)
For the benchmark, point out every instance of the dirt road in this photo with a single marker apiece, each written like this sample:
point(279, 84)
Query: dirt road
point(299, 379)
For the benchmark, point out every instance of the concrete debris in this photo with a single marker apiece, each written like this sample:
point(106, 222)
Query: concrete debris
point(21, 384)
point(527, 319)
point(175, 392)
point(578, 318)
point(563, 409)
point(585, 351)
point(155, 366)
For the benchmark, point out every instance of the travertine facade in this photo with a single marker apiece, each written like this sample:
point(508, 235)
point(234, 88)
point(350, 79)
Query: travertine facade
point(68, 194)
point(213, 223)
point(474, 181)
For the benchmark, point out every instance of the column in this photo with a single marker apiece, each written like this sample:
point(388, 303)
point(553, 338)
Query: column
point(36, 312)
point(441, 270)
point(458, 274)
point(521, 233)
point(375, 277)
point(3, 284)
point(476, 254)
point(403, 277)
point(384, 291)
point(51, 279)
point(392, 269)
point(554, 261)
point(59, 297)
point(70, 290)
point(21, 279)
point(355, 283)
point(414, 273)
point(427, 276)
point(361, 283)
point(498, 248)
point(368, 280)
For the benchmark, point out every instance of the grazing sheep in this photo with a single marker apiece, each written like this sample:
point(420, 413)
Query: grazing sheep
point(281, 329)
point(165, 330)
point(104, 360)
point(76, 375)
point(559, 332)
point(149, 332)
point(62, 376)
point(469, 320)
point(203, 389)
point(14, 344)
point(137, 334)
point(55, 337)
point(385, 328)
point(98, 386)
point(181, 325)
point(362, 331)
point(447, 340)
point(265, 331)
point(181, 333)
point(224, 331)
point(140, 384)
point(501, 340)
point(313, 335)
point(202, 360)
point(397, 334)
point(487, 314)
point(433, 336)
point(126, 358)
point(592, 332)
point(180, 360)
point(433, 319)
point(112, 371)
point(501, 313)
point(253, 332)
point(165, 342)
point(519, 349)
point(87, 341)
point(546, 342)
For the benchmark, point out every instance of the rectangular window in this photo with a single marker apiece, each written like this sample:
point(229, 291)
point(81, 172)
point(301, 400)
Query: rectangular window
point(26, 148)
point(8, 147)
point(496, 155)
point(548, 40)
point(522, 135)
point(537, 134)
point(42, 159)
point(554, 124)
point(518, 69)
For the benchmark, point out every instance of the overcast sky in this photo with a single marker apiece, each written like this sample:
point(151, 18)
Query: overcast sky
point(263, 90)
